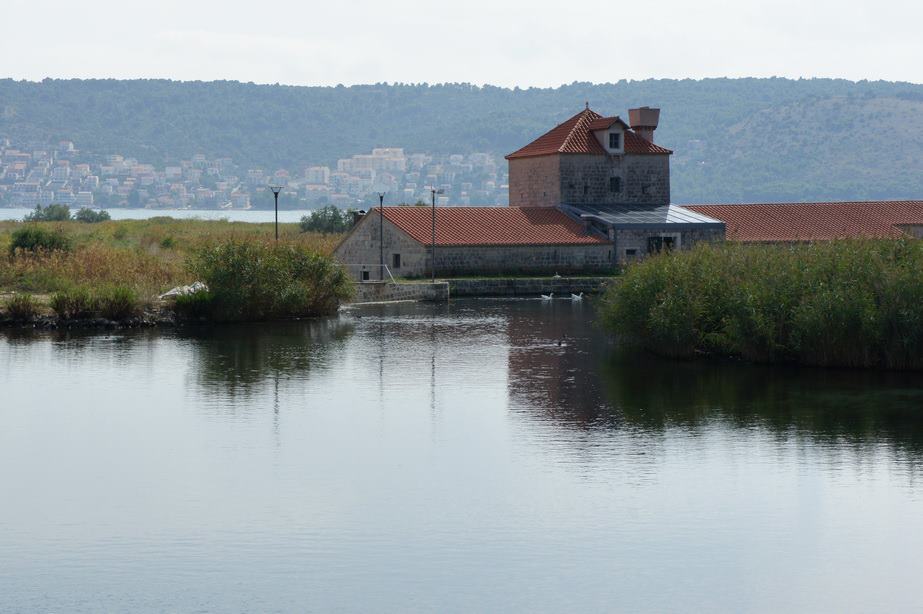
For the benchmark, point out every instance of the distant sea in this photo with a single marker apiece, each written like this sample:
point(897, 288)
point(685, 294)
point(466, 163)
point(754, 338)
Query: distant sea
point(251, 215)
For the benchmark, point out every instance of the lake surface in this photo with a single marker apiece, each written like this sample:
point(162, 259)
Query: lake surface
point(447, 458)
point(250, 215)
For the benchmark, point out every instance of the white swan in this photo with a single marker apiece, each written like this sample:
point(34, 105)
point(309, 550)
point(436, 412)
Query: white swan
point(576, 297)
point(547, 297)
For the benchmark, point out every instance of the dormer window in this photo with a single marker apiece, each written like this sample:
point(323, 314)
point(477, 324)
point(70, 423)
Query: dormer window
point(614, 140)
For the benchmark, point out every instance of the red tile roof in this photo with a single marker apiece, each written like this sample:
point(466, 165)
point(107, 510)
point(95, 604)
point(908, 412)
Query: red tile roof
point(490, 226)
point(604, 123)
point(575, 136)
point(814, 221)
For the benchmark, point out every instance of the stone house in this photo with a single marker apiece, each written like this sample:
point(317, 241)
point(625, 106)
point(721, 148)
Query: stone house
point(588, 195)
point(612, 177)
point(472, 241)
point(593, 160)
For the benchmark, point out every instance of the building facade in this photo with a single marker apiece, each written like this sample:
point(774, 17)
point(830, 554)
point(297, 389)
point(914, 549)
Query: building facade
point(472, 241)
point(594, 160)
point(588, 195)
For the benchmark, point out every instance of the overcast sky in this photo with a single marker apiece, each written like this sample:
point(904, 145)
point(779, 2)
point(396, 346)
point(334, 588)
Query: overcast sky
point(525, 43)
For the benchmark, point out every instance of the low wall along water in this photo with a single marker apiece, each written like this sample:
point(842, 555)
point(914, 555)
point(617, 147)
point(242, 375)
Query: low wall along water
point(527, 286)
point(441, 291)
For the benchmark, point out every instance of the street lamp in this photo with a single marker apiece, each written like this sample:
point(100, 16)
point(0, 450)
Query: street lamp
point(381, 236)
point(434, 191)
point(275, 192)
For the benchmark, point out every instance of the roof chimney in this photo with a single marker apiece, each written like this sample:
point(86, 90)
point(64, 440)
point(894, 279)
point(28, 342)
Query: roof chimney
point(643, 121)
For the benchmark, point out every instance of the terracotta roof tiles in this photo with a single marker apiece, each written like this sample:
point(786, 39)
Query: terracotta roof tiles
point(490, 226)
point(575, 136)
point(764, 222)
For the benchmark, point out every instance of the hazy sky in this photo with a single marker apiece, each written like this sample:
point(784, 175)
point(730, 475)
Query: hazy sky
point(534, 42)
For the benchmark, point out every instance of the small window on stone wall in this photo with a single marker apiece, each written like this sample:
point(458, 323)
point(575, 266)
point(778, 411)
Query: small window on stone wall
point(586, 189)
point(615, 184)
point(365, 275)
point(631, 252)
point(396, 261)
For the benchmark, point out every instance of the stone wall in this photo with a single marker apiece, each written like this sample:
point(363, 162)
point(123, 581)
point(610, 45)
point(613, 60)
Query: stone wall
point(360, 252)
point(644, 179)
point(637, 240)
point(382, 292)
point(534, 182)
point(528, 286)
point(519, 259)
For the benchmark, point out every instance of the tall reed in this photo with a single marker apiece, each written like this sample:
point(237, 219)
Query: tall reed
point(847, 303)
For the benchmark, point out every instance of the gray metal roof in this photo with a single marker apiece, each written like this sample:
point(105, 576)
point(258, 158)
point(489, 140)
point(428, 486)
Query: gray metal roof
point(656, 217)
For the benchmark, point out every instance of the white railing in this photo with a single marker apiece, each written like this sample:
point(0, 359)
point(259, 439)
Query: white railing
point(370, 273)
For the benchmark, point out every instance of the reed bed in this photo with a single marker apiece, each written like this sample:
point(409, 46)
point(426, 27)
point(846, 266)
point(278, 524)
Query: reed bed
point(145, 256)
point(855, 303)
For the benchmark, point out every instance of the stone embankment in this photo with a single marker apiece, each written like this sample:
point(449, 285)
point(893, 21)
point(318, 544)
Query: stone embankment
point(441, 291)
point(386, 292)
point(527, 286)
point(149, 319)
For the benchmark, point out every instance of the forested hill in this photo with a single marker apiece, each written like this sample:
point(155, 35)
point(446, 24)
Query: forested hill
point(734, 139)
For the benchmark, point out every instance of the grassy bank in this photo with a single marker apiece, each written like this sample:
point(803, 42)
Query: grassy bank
point(148, 256)
point(71, 263)
point(843, 303)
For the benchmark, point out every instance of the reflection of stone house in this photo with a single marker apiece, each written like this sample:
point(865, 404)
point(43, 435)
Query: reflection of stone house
point(589, 194)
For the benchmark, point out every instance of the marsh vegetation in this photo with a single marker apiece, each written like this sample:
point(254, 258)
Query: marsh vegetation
point(843, 303)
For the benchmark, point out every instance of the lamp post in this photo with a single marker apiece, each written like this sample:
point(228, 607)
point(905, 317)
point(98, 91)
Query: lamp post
point(275, 192)
point(433, 192)
point(381, 236)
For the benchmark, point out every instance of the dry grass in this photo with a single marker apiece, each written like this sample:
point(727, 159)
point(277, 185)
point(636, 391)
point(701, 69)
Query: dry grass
point(148, 256)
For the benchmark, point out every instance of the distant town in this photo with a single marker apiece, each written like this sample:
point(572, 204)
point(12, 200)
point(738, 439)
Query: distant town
point(65, 175)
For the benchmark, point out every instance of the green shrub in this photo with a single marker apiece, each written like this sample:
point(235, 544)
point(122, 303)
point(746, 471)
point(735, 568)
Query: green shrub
point(194, 306)
point(73, 304)
point(120, 232)
point(88, 216)
point(21, 307)
point(846, 303)
point(168, 243)
point(117, 303)
point(249, 280)
point(36, 239)
point(51, 213)
point(328, 220)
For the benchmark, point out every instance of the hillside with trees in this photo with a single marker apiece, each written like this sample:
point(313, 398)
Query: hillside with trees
point(734, 139)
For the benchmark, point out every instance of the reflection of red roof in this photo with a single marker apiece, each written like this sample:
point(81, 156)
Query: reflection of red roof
point(575, 136)
point(814, 221)
point(489, 226)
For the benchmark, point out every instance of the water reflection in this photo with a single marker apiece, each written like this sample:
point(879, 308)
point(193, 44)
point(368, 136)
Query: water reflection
point(241, 360)
point(831, 406)
point(480, 455)
point(588, 384)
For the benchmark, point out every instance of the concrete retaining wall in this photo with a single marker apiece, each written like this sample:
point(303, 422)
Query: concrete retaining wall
point(527, 286)
point(375, 292)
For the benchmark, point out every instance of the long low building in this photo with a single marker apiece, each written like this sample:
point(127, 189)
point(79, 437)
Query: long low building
point(821, 221)
point(473, 241)
point(589, 195)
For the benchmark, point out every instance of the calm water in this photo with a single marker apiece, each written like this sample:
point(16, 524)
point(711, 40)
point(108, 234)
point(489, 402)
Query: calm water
point(251, 215)
point(447, 458)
